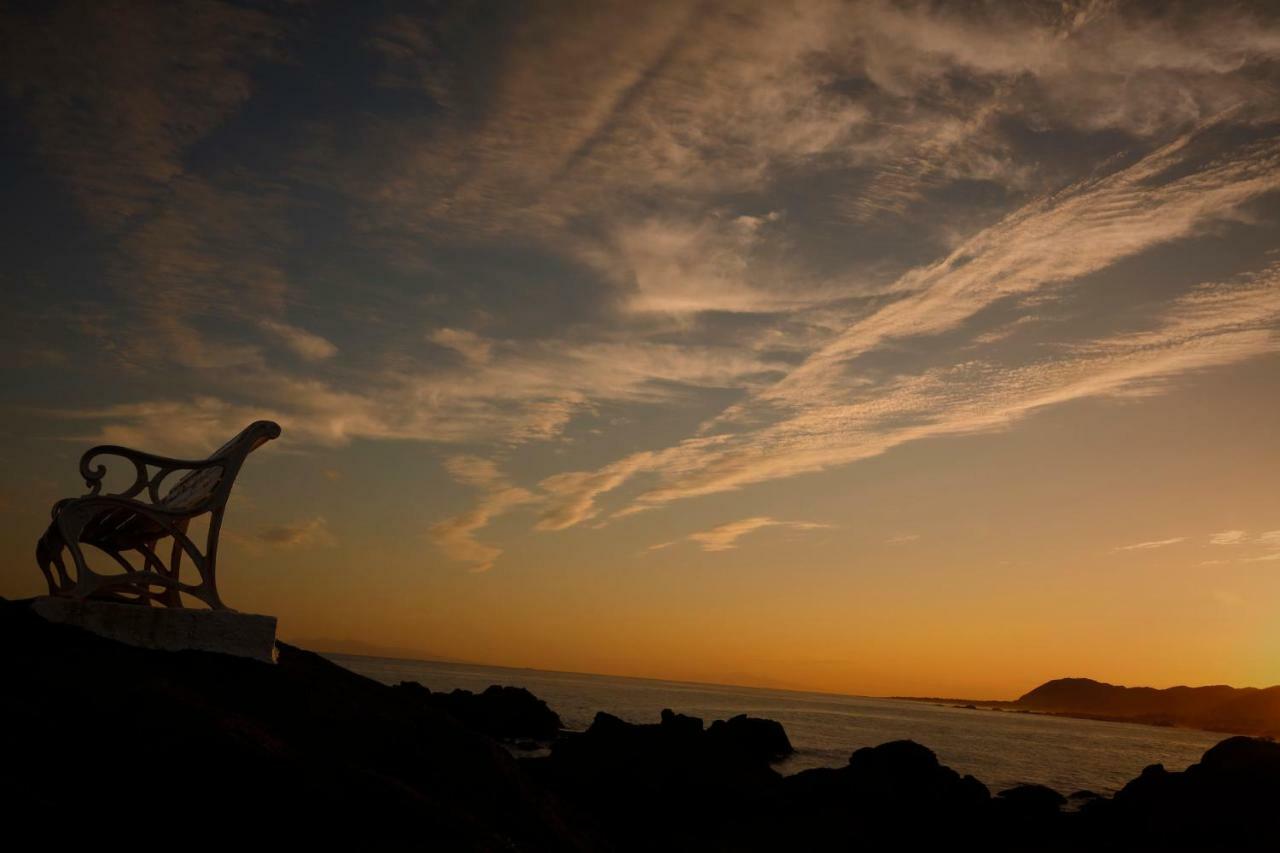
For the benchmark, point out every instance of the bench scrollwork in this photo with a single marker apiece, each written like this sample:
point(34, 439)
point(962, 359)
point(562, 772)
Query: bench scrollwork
point(136, 521)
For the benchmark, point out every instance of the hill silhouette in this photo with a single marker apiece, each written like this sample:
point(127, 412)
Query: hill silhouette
point(1237, 710)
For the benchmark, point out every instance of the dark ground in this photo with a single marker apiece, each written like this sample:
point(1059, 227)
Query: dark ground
point(103, 740)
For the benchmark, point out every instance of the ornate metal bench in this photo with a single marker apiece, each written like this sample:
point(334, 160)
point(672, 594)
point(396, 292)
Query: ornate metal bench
point(137, 520)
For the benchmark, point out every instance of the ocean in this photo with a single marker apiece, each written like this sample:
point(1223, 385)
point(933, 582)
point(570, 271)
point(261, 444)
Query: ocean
point(1000, 748)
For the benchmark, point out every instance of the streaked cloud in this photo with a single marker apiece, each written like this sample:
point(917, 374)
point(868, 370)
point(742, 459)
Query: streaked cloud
point(1270, 543)
point(725, 537)
point(473, 347)
point(796, 237)
point(307, 533)
point(1152, 545)
point(456, 535)
point(1228, 537)
point(829, 421)
point(307, 345)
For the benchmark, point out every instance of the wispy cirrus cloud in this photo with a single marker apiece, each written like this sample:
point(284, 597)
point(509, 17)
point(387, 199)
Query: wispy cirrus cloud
point(1270, 544)
point(828, 231)
point(307, 345)
point(1050, 242)
point(470, 345)
point(725, 537)
point(293, 536)
point(816, 417)
point(456, 535)
point(1153, 544)
point(521, 394)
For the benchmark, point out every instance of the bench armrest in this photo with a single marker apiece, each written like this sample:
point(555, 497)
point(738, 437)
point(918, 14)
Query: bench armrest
point(93, 475)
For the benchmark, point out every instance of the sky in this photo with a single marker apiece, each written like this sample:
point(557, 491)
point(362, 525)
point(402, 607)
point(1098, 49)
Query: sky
point(867, 347)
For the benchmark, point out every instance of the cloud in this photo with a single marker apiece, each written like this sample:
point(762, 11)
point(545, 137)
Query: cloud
point(472, 347)
point(1049, 242)
point(703, 100)
point(1228, 537)
point(725, 537)
point(118, 93)
point(529, 394)
point(573, 493)
point(308, 345)
point(1148, 546)
point(816, 418)
point(1269, 540)
point(715, 263)
point(455, 536)
point(1213, 326)
point(661, 222)
point(473, 471)
point(903, 539)
point(307, 533)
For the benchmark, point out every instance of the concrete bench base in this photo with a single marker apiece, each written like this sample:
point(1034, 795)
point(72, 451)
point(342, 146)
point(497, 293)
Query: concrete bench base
point(169, 629)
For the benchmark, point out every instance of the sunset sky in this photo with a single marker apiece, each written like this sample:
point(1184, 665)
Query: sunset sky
point(865, 347)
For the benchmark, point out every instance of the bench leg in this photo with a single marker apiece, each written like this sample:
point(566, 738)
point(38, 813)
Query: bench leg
point(49, 558)
point(152, 582)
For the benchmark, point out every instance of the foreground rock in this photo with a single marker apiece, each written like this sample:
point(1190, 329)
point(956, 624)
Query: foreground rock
point(667, 783)
point(896, 793)
point(94, 733)
point(1227, 801)
point(98, 736)
point(507, 713)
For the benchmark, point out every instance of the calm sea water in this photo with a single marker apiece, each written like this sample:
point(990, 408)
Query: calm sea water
point(1000, 748)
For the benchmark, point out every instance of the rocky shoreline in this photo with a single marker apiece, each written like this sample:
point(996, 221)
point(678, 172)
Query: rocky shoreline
point(108, 733)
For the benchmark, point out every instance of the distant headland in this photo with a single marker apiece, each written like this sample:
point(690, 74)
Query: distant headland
point(1215, 708)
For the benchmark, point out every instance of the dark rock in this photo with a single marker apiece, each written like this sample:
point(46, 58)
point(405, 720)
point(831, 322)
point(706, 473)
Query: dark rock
point(1241, 758)
point(904, 768)
point(90, 725)
point(680, 725)
point(664, 784)
point(895, 795)
point(1029, 802)
point(765, 740)
point(197, 742)
point(1225, 802)
point(500, 712)
point(1084, 794)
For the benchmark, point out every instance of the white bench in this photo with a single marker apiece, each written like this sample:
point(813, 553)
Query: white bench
point(135, 522)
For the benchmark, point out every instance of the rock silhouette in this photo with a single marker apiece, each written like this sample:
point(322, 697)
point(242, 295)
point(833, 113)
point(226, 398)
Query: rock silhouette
point(219, 745)
point(101, 731)
point(507, 713)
